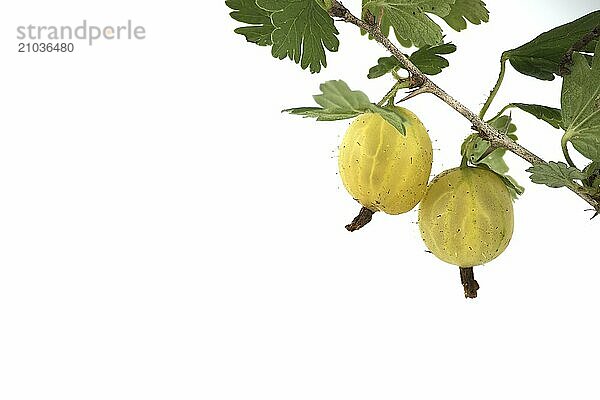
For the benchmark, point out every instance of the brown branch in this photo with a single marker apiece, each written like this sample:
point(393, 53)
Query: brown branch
point(566, 62)
point(364, 217)
point(484, 130)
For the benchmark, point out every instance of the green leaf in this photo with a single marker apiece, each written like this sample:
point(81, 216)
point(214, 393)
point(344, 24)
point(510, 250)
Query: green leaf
point(339, 102)
point(300, 30)
point(472, 10)
point(427, 59)
point(322, 114)
point(551, 115)
point(513, 186)
point(580, 102)
point(554, 174)
point(474, 148)
point(391, 116)
point(260, 27)
point(504, 124)
point(412, 26)
point(540, 58)
point(384, 65)
point(303, 30)
point(337, 95)
point(592, 169)
point(325, 4)
point(592, 178)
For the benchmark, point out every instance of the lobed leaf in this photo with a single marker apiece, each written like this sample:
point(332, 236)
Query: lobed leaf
point(303, 30)
point(551, 115)
point(462, 10)
point(339, 102)
point(260, 27)
point(554, 174)
point(338, 95)
point(412, 26)
point(427, 59)
point(540, 58)
point(300, 30)
point(384, 66)
point(580, 102)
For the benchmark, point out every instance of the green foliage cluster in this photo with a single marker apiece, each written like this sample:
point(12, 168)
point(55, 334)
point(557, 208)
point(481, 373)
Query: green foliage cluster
point(304, 32)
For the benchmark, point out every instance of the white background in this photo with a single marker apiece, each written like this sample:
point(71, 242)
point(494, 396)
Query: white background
point(167, 233)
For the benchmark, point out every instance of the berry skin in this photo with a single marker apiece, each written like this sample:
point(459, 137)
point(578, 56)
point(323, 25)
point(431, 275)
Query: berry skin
point(383, 169)
point(466, 217)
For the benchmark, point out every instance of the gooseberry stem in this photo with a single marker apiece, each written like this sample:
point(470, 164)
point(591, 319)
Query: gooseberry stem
point(470, 285)
point(364, 217)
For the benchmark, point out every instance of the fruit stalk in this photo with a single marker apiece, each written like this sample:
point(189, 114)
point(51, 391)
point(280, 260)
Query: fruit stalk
point(425, 85)
point(469, 283)
point(364, 217)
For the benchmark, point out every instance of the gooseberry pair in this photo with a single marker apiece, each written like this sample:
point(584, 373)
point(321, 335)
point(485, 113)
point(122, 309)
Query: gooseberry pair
point(466, 213)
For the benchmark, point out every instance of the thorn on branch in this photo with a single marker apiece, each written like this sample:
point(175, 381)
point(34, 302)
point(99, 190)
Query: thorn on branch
point(470, 285)
point(364, 217)
point(424, 88)
point(370, 19)
point(566, 62)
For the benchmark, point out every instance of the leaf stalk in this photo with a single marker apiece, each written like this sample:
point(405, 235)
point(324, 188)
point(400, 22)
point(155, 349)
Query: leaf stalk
point(563, 144)
point(496, 88)
point(506, 107)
